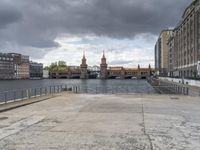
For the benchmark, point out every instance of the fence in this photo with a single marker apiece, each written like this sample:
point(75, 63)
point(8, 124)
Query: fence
point(23, 94)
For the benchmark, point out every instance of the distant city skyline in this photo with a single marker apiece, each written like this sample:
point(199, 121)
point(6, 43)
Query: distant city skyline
point(50, 31)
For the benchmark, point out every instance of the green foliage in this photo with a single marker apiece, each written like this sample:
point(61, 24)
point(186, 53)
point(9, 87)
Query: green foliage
point(59, 66)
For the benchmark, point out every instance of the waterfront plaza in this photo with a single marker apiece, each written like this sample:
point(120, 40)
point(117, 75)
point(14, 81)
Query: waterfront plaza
point(81, 121)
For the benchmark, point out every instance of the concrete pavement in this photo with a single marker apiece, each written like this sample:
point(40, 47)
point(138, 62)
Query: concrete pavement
point(73, 121)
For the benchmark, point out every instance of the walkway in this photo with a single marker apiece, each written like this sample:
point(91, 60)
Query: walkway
point(108, 122)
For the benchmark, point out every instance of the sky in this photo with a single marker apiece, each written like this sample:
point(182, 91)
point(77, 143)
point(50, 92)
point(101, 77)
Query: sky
point(53, 30)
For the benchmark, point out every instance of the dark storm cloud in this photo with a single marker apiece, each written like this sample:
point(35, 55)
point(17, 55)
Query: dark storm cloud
point(37, 23)
point(8, 14)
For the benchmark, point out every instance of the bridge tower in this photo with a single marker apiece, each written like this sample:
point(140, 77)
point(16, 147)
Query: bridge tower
point(103, 66)
point(83, 66)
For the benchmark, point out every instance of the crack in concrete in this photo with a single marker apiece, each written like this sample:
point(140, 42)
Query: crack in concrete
point(143, 123)
point(19, 126)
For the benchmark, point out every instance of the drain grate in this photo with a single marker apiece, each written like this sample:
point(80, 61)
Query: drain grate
point(3, 118)
point(175, 98)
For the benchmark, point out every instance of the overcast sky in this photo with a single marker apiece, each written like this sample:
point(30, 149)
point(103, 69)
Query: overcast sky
point(52, 30)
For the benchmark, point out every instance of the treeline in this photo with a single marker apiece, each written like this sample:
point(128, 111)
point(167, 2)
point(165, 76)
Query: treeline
point(60, 66)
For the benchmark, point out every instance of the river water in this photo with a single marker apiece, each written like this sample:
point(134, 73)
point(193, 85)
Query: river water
point(92, 85)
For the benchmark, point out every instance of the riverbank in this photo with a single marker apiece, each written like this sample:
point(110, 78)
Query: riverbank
point(86, 121)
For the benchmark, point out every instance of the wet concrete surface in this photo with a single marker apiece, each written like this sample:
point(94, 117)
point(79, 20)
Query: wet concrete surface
point(135, 122)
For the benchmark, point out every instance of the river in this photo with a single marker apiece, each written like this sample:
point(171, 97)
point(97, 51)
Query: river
point(133, 86)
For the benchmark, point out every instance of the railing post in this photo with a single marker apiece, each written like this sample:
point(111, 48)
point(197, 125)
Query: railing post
point(22, 94)
point(35, 92)
point(26, 94)
point(40, 91)
point(187, 90)
point(5, 97)
point(45, 90)
point(29, 93)
point(14, 95)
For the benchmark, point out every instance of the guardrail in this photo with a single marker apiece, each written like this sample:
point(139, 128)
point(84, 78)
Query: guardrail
point(176, 88)
point(25, 94)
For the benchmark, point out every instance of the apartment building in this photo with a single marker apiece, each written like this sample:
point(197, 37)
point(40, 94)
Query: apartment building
point(162, 53)
point(187, 41)
point(6, 66)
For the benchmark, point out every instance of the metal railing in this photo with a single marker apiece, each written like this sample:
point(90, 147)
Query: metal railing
point(131, 89)
point(25, 94)
point(176, 88)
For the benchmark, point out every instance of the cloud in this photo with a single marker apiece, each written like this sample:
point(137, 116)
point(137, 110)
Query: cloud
point(8, 14)
point(33, 25)
point(44, 20)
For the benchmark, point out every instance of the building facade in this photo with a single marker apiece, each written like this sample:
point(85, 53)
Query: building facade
point(45, 74)
point(162, 53)
point(21, 66)
point(6, 66)
point(187, 42)
point(158, 56)
point(171, 57)
point(14, 66)
point(83, 67)
point(36, 70)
